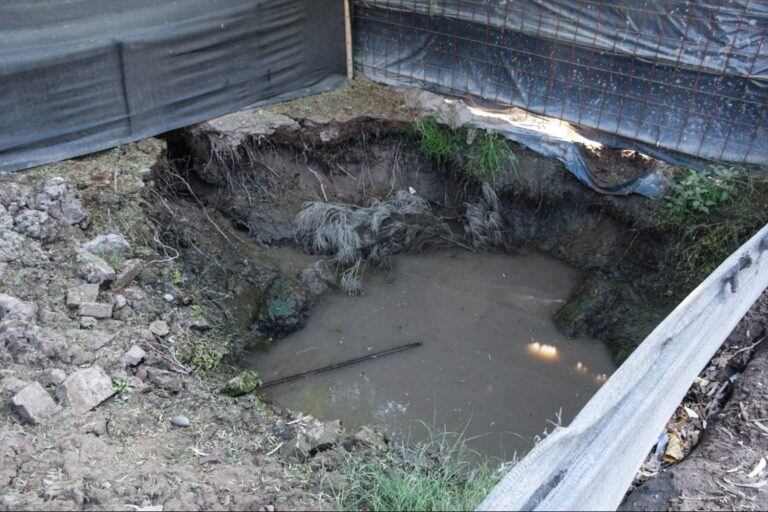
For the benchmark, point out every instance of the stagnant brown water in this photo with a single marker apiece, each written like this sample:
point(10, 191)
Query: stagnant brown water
point(492, 363)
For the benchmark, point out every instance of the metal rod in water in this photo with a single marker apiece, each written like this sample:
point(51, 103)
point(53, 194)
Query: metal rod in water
point(340, 365)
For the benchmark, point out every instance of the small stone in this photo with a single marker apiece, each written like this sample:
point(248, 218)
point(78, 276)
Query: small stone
point(367, 436)
point(180, 421)
point(51, 377)
point(141, 374)
point(133, 293)
point(168, 298)
point(212, 458)
point(134, 356)
point(316, 438)
point(324, 435)
point(285, 309)
point(200, 324)
point(92, 268)
point(96, 339)
point(61, 202)
point(85, 389)
point(10, 385)
point(109, 246)
point(46, 316)
point(87, 322)
point(242, 384)
point(131, 269)
point(120, 301)
point(159, 328)
point(95, 309)
point(34, 223)
point(34, 404)
point(12, 308)
point(82, 293)
point(164, 379)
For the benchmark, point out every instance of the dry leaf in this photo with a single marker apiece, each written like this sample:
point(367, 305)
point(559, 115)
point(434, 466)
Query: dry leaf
point(674, 451)
point(690, 412)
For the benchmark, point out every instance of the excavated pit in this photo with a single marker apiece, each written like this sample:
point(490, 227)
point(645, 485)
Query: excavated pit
point(518, 325)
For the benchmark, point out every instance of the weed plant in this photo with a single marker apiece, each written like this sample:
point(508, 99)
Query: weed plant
point(441, 474)
point(438, 143)
point(711, 214)
point(479, 159)
point(488, 154)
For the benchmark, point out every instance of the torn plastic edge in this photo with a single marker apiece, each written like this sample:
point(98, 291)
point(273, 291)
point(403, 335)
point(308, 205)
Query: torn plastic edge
point(570, 154)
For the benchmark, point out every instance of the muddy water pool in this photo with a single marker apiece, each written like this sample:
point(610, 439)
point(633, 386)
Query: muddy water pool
point(492, 363)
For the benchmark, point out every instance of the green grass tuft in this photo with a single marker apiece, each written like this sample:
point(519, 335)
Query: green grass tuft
point(442, 474)
point(711, 214)
point(488, 155)
point(438, 142)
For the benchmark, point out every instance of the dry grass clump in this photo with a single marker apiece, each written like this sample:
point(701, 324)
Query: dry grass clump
point(354, 236)
point(484, 224)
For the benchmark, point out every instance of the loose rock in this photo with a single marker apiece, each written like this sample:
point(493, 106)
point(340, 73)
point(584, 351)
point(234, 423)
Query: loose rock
point(120, 301)
point(12, 308)
point(109, 246)
point(51, 377)
point(286, 308)
point(34, 404)
point(164, 379)
point(369, 437)
point(131, 269)
point(88, 322)
point(242, 384)
point(95, 309)
point(134, 356)
point(85, 389)
point(159, 328)
point(92, 268)
point(317, 437)
point(60, 202)
point(83, 293)
point(9, 386)
point(200, 324)
point(33, 223)
point(180, 421)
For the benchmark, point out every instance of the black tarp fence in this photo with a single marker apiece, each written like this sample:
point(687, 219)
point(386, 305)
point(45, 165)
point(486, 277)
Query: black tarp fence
point(77, 76)
point(670, 77)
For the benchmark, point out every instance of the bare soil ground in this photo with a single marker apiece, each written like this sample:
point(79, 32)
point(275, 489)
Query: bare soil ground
point(125, 453)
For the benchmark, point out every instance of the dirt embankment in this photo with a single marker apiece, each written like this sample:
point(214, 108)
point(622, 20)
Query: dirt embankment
point(111, 364)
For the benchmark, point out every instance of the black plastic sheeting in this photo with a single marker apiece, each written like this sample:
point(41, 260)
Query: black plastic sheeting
point(78, 76)
point(672, 78)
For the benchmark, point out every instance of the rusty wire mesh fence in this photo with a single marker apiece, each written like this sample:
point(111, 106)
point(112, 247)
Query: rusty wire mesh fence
point(675, 76)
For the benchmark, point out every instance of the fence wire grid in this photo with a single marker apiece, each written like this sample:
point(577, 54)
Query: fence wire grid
point(685, 77)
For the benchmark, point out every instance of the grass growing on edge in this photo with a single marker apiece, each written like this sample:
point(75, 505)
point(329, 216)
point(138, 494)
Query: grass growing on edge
point(442, 474)
point(438, 143)
point(487, 156)
point(712, 215)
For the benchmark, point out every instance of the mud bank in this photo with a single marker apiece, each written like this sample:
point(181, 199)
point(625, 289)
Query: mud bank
point(258, 174)
point(628, 284)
